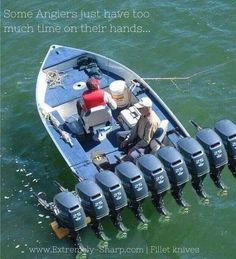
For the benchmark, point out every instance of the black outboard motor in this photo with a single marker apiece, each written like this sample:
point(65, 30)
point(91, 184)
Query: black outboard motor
point(114, 194)
point(226, 129)
point(134, 185)
point(66, 207)
point(94, 204)
point(196, 161)
point(215, 152)
point(177, 171)
point(156, 179)
point(71, 214)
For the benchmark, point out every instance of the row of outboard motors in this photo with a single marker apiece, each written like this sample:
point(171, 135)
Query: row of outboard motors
point(168, 169)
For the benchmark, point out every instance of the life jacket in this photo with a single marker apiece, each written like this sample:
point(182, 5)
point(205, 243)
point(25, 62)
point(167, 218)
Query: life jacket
point(93, 98)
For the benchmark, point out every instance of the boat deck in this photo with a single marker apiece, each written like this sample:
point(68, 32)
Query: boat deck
point(63, 99)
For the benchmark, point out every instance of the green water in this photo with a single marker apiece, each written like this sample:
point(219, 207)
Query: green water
point(186, 37)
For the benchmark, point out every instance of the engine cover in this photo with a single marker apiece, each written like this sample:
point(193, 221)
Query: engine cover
point(92, 199)
point(226, 129)
point(213, 147)
point(132, 180)
point(112, 189)
point(154, 173)
point(194, 156)
point(174, 164)
point(71, 214)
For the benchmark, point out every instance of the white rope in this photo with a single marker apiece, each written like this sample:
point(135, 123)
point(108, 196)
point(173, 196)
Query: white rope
point(54, 78)
point(166, 78)
point(188, 77)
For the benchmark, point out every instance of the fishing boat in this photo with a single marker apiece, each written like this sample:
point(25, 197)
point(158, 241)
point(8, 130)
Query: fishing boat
point(59, 96)
point(88, 143)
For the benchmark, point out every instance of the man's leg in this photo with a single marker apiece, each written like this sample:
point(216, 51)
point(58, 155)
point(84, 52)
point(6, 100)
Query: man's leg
point(121, 135)
point(79, 107)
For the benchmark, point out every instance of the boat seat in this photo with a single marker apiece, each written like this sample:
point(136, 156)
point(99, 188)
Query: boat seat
point(75, 127)
point(159, 135)
point(97, 116)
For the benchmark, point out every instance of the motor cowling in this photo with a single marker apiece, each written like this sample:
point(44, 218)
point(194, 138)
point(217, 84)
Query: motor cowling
point(215, 152)
point(156, 178)
point(69, 211)
point(154, 173)
point(174, 164)
point(115, 195)
point(226, 129)
point(92, 199)
point(112, 189)
point(194, 156)
point(132, 180)
point(177, 171)
point(213, 147)
point(196, 161)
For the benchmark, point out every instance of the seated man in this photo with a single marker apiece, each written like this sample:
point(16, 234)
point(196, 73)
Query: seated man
point(94, 96)
point(141, 135)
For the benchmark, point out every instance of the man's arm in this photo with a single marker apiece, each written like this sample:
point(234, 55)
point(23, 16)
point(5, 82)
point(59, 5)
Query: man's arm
point(130, 138)
point(133, 133)
point(148, 134)
point(110, 101)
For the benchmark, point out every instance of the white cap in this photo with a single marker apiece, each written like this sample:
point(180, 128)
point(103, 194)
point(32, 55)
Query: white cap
point(143, 102)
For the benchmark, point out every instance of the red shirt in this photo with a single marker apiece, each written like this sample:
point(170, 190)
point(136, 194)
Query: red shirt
point(93, 98)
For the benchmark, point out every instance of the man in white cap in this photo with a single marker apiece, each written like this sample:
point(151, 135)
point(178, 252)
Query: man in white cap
point(141, 135)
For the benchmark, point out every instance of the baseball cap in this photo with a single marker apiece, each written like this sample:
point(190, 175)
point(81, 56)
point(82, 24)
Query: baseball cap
point(93, 83)
point(143, 102)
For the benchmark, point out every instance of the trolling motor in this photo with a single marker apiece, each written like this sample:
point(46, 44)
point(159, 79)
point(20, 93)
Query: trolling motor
point(69, 213)
point(196, 161)
point(177, 171)
point(94, 204)
point(156, 179)
point(215, 152)
point(134, 185)
point(114, 194)
point(226, 129)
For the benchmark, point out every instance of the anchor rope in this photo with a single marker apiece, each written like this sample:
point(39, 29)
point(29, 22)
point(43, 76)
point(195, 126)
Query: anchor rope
point(191, 76)
point(54, 78)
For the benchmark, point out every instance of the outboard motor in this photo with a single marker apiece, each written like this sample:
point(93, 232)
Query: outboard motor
point(114, 194)
point(134, 185)
point(156, 178)
point(226, 129)
point(67, 209)
point(196, 161)
point(177, 171)
point(94, 204)
point(71, 214)
point(215, 152)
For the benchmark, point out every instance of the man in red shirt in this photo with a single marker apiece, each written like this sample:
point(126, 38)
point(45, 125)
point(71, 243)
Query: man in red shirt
point(94, 97)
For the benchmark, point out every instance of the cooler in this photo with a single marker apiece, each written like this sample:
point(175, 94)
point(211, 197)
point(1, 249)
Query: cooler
point(129, 117)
